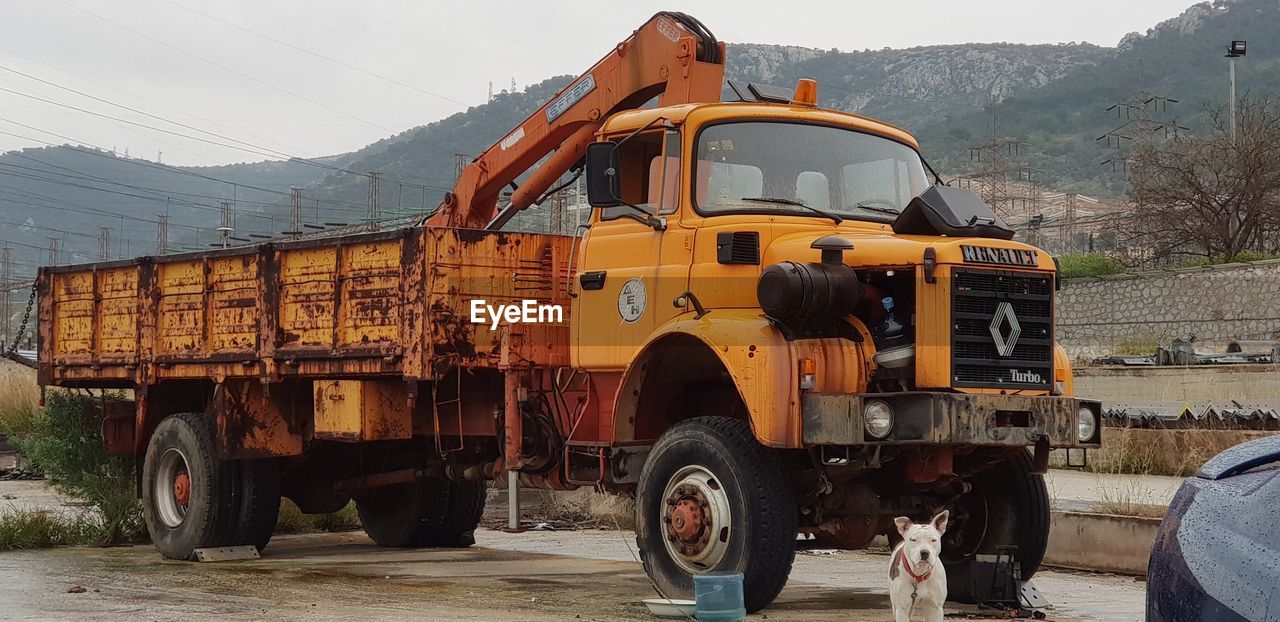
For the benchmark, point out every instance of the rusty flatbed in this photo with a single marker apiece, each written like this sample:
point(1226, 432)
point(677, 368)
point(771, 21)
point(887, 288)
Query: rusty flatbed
point(391, 303)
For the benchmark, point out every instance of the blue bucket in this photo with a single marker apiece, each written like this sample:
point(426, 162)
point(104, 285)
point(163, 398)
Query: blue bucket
point(719, 597)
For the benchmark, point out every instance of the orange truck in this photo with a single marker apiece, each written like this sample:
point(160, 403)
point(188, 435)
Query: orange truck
point(777, 323)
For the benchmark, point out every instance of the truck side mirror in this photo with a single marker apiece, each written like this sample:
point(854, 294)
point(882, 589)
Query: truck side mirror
point(603, 186)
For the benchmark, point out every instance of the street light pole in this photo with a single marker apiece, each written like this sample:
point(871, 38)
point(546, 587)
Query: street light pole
point(1234, 51)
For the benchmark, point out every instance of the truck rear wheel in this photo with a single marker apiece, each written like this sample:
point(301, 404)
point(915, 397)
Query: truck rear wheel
point(711, 498)
point(188, 496)
point(423, 513)
point(257, 500)
point(1008, 505)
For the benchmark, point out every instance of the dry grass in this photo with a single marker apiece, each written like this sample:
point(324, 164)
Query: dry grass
point(1179, 453)
point(19, 398)
point(1126, 497)
point(1135, 347)
point(582, 508)
point(22, 528)
point(1124, 507)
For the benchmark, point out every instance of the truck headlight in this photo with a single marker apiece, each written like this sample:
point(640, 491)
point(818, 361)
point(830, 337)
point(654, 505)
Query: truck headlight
point(1087, 424)
point(877, 416)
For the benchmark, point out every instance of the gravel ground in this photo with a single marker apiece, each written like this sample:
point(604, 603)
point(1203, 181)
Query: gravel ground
point(535, 576)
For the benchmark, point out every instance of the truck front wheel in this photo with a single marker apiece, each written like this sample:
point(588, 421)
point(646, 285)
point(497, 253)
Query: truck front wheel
point(423, 513)
point(1007, 505)
point(711, 498)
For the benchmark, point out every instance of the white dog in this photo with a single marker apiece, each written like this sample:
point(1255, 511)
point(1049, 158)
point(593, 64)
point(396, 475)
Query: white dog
point(917, 579)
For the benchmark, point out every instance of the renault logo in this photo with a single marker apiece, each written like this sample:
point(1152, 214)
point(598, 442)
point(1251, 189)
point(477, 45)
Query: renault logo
point(1005, 329)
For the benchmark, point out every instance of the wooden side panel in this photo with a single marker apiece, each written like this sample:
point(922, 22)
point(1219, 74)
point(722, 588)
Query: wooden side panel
point(73, 314)
point(233, 311)
point(370, 293)
point(181, 322)
point(117, 315)
point(307, 302)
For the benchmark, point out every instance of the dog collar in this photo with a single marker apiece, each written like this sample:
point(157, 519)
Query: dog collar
point(919, 578)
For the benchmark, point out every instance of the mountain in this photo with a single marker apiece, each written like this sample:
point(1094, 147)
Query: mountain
point(1051, 99)
point(1060, 122)
point(916, 86)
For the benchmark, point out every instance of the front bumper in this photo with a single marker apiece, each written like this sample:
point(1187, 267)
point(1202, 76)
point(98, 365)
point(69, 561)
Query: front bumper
point(938, 418)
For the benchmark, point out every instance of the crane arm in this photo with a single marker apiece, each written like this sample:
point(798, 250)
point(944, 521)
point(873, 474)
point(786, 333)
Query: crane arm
point(672, 56)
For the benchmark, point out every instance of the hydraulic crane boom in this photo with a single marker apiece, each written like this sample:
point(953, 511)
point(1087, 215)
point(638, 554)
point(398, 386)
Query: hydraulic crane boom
point(672, 56)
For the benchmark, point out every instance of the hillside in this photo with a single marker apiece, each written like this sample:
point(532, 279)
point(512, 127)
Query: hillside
point(1052, 98)
point(1181, 58)
point(914, 87)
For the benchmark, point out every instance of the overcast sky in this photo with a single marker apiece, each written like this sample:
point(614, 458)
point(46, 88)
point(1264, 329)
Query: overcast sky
point(164, 59)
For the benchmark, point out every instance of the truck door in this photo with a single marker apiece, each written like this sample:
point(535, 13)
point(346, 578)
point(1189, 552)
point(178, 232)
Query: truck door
point(630, 273)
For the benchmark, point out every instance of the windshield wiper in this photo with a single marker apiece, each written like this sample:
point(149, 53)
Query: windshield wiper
point(875, 208)
point(781, 201)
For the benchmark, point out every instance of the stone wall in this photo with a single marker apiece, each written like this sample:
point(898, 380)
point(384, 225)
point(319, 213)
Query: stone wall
point(1131, 313)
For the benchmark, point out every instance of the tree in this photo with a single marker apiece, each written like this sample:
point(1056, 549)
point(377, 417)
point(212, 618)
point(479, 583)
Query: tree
point(1209, 194)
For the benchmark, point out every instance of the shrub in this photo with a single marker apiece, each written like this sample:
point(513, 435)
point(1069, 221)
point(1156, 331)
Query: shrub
point(65, 441)
point(292, 520)
point(19, 396)
point(1091, 264)
point(22, 528)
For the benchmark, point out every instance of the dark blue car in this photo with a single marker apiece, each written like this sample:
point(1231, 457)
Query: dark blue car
point(1217, 555)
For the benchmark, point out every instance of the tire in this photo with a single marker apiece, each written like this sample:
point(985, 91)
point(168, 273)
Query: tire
point(714, 463)
point(258, 501)
point(1008, 505)
point(185, 444)
point(424, 513)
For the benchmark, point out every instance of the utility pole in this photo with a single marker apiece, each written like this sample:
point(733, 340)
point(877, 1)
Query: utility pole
point(558, 202)
point(1235, 50)
point(55, 250)
point(460, 161)
point(162, 234)
point(6, 283)
point(295, 212)
point(374, 210)
point(228, 224)
point(104, 243)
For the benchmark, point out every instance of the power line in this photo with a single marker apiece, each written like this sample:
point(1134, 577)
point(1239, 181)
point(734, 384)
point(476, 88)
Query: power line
point(261, 151)
point(131, 109)
point(226, 68)
point(256, 149)
point(330, 59)
point(103, 152)
point(137, 96)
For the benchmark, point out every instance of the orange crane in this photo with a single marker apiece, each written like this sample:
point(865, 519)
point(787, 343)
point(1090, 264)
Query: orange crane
point(672, 57)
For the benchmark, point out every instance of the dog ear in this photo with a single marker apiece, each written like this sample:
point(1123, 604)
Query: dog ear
point(903, 524)
point(940, 521)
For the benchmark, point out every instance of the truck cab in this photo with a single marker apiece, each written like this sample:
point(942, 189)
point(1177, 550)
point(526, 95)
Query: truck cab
point(801, 272)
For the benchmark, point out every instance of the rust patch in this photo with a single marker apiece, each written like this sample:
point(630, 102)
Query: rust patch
point(253, 423)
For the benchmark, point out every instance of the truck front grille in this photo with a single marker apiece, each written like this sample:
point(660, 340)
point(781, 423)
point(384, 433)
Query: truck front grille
point(1018, 307)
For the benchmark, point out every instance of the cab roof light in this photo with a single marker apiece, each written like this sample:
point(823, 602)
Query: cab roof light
point(806, 93)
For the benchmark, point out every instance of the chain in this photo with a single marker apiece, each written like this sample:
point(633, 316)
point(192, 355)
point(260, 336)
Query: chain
point(26, 316)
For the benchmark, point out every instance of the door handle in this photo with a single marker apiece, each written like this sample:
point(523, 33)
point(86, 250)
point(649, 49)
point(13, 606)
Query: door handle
point(592, 280)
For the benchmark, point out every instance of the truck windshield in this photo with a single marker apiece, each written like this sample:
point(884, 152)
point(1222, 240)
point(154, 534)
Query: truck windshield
point(764, 166)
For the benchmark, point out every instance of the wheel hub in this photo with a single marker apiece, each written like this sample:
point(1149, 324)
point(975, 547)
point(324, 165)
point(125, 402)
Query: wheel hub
point(689, 524)
point(695, 519)
point(172, 489)
point(182, 488)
